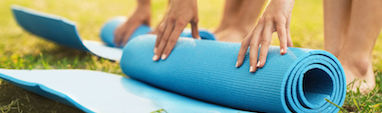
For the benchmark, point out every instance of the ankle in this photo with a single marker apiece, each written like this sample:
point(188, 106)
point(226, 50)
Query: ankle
point(231, 28)
point(230, 34)
point(332, 50)
point(360, 66)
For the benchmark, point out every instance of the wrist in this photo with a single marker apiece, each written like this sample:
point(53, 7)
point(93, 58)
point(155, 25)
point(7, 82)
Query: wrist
point(144, 9)
point(144, 4)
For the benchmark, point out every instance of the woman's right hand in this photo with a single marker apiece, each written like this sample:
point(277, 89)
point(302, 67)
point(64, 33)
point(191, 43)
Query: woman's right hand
point(139, 17)
point(275, 18)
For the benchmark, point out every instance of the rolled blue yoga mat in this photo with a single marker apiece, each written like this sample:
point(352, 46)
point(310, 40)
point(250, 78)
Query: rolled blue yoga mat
point(204, 70)
point(107, 31)
point(298, 81)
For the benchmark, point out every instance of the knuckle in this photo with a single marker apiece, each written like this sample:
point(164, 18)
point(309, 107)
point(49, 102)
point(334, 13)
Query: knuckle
point(253, 45)
point(172, 42)
point(165, 39)
point(267, 18)
point(261, 20)
point(172, 18)
point(280, 20)
point(279, 27)
point(160, 29)
point(180, 23)
point(255, 41)
point(266, 42)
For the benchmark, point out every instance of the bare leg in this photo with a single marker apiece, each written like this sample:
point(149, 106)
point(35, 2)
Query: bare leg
point(336, 20)
point(239, 16)
point(356, 55)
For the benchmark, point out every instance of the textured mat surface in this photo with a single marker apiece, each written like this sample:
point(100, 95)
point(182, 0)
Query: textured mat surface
point(93, 91)
point(64, 32)
point(298, 81)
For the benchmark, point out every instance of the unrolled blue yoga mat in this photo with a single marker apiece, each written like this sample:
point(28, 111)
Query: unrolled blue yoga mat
point(100, 92)
point(298, 81)
point(64, 32)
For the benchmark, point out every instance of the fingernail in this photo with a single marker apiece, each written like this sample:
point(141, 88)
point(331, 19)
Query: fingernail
point(155, 58)
point(251, 69)
point(282, 51)
point(258, 64)
point(164, 57)
point(237, 64)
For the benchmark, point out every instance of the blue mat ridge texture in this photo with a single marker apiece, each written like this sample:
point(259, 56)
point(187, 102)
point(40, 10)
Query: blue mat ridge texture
point(298, 81)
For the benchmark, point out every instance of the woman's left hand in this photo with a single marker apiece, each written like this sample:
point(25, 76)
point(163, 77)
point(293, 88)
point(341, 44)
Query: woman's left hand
point(180, 13)
point(141, 16)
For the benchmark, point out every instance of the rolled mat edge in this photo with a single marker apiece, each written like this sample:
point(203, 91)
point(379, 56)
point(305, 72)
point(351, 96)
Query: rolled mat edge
point(212, 77)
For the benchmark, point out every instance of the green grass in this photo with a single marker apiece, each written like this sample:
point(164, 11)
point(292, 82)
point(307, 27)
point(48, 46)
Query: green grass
point(20, 50)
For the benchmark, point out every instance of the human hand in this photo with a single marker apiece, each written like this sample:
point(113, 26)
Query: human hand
point(275, 18)
point(180, 13)
point(140, 16)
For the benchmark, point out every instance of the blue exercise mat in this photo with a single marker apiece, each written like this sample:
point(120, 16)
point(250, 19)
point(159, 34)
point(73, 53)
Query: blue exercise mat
point(298, 81)
point(94, 91)
point(64, 32)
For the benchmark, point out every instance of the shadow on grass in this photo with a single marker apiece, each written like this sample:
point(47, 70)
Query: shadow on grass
point(60, 52)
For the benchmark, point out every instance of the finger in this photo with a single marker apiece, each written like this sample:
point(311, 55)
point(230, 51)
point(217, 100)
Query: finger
point(179, 26)
point(290, 42)
point(246, 42)
point(129, 32)
point(255, 45)
point(160, 31)
point(265, 42)
point(253, 52)
point(194, 29)
point(243, 49)
point(281, 31)
point(163, 41)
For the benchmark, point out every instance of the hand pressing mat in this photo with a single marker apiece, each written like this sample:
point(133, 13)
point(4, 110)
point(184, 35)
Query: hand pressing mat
point(64, 32)
point(93, 91)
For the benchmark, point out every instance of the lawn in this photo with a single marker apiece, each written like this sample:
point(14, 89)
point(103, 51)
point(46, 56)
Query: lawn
point(20, 50)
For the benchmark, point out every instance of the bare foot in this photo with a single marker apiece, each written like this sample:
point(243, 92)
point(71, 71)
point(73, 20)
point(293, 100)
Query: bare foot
point(230, 35)
point(359, 73)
